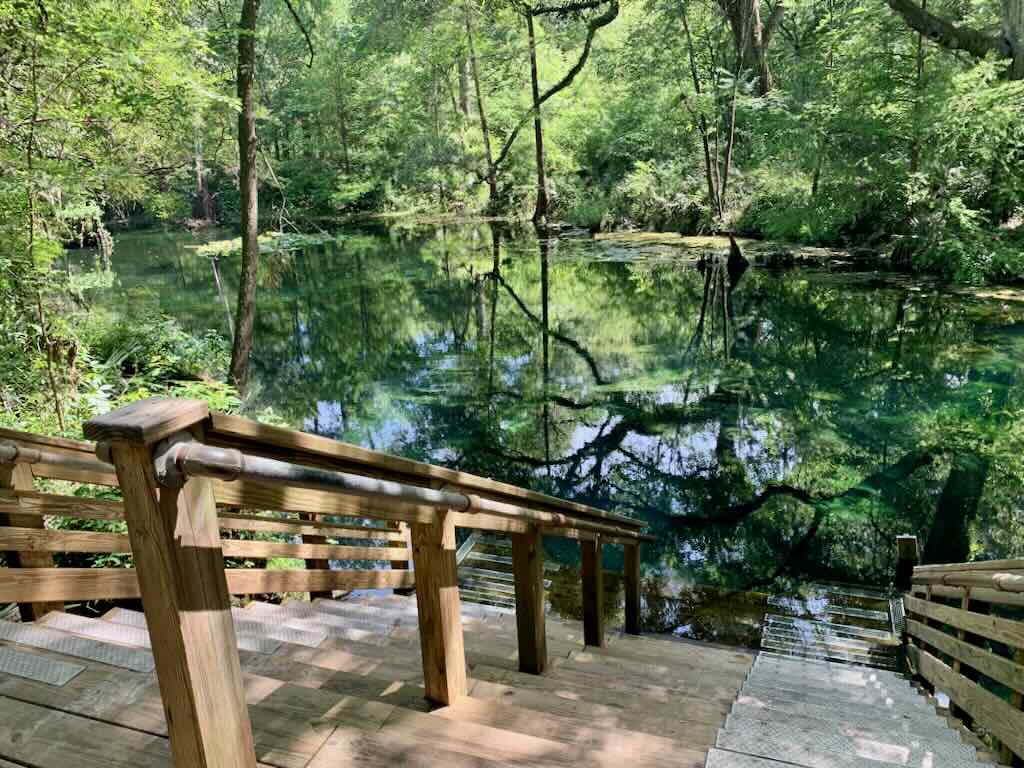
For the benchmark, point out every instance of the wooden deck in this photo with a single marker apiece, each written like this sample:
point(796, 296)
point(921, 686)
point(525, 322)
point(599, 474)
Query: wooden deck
point(343, 685)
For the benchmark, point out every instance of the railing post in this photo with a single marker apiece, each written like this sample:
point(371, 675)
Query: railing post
point(593, 592)
point(316, 565)
point(528, 569)
point(631, 582)
point(906, 558)
point(18, 477)
point(403, 560)
point(176, 546)
point(439, 609)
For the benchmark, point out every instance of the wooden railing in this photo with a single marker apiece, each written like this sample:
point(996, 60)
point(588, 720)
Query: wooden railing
point(180, 467)
point(33, 582)
point(965, 630)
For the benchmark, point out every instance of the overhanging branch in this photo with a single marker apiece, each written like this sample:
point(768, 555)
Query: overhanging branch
point(947, 34)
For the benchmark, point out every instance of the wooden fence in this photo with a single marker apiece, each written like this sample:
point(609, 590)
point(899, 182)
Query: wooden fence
point(965, 629)
point(187, 476)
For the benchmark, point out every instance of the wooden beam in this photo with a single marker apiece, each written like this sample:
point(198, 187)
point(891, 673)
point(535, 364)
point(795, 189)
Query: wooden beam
point(1006, 671)
point(249, 581)
point(316, 564)
point(316, 450)
point(631, 585)
point(40, 504)
point(73, 584)
point(438, 606)
point(907, 556)
point(1017, 702)
point(991, 627)
point(146, 422)
point(18, 477)
point(978, 594)
point(528, 570)
point(405, 562)
point(981, 565)
point(180, 568)
point(987, 710)
point(593, 593)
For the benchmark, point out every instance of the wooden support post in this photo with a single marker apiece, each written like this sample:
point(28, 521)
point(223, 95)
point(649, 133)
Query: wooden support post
point(1006, 756)
point(593, 592)
point(906, 558)
point(631, 583)
point(316, 565)
point(176, 546)
point(440, 612)
point(18, 477)
point(528, 569)
point(403, 561)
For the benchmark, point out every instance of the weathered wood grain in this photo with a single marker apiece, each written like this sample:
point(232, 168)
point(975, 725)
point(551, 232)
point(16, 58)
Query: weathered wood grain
point(14, 478)
point(145, 422)
point(180, 568)
point(987, 709)
point(1005, 671)
point(438, 607)
point(234, 429)
point(66, 584)
point(992, 627)
point(528, 570)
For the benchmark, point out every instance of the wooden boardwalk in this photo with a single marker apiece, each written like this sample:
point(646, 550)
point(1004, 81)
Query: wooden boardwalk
point(340, 683)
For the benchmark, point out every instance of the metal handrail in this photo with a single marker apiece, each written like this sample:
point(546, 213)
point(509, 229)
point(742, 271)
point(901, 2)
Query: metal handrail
point(175, 462)
point(193, 459)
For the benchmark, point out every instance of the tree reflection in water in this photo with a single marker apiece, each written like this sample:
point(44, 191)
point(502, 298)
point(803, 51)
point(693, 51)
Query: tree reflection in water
point(772, 426)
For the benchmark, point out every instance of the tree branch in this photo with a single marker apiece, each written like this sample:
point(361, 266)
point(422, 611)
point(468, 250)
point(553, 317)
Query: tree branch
point(302, 27)
point(593, 26)
point(945, 33)
point(573, 7)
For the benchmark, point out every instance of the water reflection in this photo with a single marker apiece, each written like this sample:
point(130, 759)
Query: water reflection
point(773, 427)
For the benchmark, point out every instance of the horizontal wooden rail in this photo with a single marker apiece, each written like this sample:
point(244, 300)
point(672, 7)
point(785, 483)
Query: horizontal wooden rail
point(46, 504)
point(313, 450)
point(977, 594)
point(193, 459)
point(56, 584)
point(43, 540)
point(1002, 630)
point(999, 668)
point(975, 641)
point(988, 710)
point(1001, 582)
point(979, 565)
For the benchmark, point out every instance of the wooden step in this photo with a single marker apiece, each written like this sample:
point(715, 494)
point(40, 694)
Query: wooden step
point(689, 748)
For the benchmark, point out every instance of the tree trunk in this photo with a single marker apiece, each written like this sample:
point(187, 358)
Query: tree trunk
point(1013, 33)
point(463, 66)
point(540, 212)
point(492, 180)
point(202, 206)
point(248, 183)
point(343, 131)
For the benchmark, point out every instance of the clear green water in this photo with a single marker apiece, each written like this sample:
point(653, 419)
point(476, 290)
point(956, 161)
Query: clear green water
point(583, 368)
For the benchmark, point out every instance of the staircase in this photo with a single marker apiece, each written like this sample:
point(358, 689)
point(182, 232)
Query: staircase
point(485, 571)
point(340, 683)
point(818, 714)
point(835, 623)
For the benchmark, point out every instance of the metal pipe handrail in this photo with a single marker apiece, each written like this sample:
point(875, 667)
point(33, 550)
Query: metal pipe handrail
point(193, 459)
point(1003, 582)
point(14, 453)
